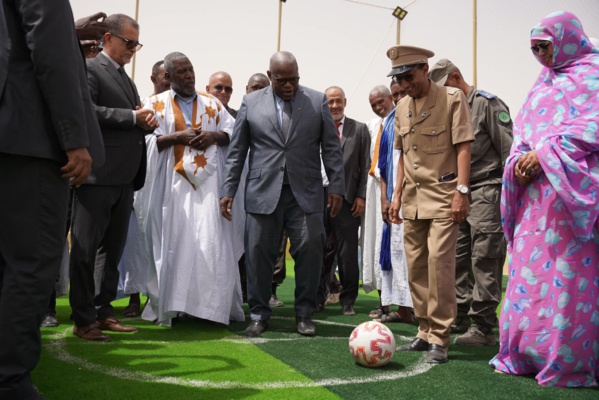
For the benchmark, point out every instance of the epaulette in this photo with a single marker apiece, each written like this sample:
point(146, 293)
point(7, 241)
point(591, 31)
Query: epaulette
point(451, 90)
point(486, 94)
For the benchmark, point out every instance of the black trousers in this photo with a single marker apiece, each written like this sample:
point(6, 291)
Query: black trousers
point(99, 227)
point(344, 231)
point(33, 215)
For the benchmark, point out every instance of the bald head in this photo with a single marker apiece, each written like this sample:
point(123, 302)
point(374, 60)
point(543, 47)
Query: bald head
point(256, 82)
point(284, 75)
point(282, 58)
point(220, 85)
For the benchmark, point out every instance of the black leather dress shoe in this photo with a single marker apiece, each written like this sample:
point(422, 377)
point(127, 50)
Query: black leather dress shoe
point(415, 345)
point(49, 321)
point(437, 354)
point(305, 326)
point(256, 328)
point(348, 310)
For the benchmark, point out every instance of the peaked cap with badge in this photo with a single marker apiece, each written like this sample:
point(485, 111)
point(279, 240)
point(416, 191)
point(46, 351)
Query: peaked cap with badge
point(404, 58)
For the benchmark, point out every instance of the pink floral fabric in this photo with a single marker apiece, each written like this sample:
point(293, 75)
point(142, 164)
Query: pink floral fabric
point(549, 324)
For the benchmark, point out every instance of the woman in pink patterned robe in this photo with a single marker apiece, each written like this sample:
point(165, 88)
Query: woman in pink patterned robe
point(549, 324)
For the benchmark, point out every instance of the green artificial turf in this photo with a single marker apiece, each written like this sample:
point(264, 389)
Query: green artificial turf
point(196, 360)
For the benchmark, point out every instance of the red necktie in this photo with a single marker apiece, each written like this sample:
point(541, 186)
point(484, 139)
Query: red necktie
point(337, 125)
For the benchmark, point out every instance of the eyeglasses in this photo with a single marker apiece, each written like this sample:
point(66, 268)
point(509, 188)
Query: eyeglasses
point(405, 77)
point(540, 46)
point(130, 44)
point(220, 88)
point(283, 81)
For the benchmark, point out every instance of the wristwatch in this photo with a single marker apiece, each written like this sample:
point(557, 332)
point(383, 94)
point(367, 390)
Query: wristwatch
point(463, 189)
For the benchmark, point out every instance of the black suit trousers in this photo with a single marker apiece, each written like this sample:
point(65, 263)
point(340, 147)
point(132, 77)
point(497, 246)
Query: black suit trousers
point(344, 230)
point(33, 215)
point(99, 228)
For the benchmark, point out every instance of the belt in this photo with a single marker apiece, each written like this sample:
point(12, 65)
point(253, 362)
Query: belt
point(492, 175)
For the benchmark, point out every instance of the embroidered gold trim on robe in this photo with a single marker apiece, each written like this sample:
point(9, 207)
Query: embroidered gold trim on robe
point(180, 125)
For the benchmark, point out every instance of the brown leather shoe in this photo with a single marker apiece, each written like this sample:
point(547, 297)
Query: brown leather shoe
point(113, 324)
point(90, 332)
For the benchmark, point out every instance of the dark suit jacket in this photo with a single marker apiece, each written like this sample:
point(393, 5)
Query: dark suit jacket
point(45, 105)
point(355, 146)
point(124, 142)
point(257, 129)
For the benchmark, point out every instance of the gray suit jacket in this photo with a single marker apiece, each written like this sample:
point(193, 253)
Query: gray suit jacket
point(257, 129)
point(355, 145)
point(124, 142)
point(45, 105)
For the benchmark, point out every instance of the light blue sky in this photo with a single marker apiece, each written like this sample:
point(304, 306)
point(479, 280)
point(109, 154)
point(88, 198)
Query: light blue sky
point(339, 42)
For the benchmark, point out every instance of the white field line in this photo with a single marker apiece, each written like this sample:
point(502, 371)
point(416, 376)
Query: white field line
point(57, 346)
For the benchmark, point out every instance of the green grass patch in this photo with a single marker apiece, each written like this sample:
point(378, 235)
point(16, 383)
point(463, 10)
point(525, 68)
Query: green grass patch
point(196, 360)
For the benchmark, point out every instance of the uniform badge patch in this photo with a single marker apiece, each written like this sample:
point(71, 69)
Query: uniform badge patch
point(504, 117)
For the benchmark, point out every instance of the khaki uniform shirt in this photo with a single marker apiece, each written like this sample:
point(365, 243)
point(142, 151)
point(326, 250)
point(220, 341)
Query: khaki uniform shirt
point(428, 139)
point(493, 137)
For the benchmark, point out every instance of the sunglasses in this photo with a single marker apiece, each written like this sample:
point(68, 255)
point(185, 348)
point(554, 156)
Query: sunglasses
point(406, 76)
point(540, 46)
point(283, 81)
point(130, 44)
point(220, 88)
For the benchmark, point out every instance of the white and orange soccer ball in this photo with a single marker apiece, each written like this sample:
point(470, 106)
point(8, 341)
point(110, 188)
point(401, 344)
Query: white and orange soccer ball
point(372, 344)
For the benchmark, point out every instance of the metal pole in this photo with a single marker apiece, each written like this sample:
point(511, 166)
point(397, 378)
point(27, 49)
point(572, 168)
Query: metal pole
point(474, 38)
point(135, 54)
point(279, 33)
point(398, 29)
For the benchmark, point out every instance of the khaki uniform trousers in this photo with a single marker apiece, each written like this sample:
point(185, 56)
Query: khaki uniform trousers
point(430, 251)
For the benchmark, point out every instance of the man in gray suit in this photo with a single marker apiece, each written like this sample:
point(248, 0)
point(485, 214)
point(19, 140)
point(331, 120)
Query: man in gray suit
point(284, 126)
point(102, 206)
point(355, 146)
point(47, 125)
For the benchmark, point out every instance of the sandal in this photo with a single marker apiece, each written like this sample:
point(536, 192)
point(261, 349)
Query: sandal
point(391, 317)
point(378, 312)
point(131, 311)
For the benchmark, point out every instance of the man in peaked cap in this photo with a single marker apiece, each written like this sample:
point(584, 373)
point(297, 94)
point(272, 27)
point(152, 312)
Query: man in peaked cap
point(433, 131)
point(481, 245)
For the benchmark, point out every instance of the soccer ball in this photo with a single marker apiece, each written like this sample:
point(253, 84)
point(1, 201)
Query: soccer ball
point(372, 344)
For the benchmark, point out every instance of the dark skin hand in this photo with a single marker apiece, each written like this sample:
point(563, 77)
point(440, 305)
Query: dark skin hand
point(460, 207)
point(357, 209)
point(527, 168)
point(226, 205)
point(195, 138)
point(78, 166)
point(385, 203)
point(92, 27)
point(205, 139)
point(385, 206)
point(90, 47)
point(394, 210)
point(333, 204)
